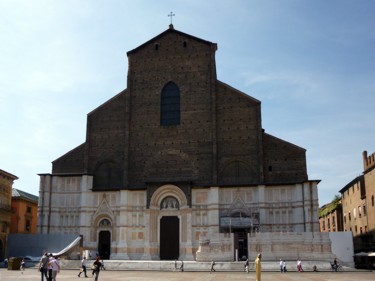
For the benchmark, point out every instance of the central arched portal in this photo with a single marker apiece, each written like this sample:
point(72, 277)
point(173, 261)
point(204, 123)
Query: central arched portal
point(104, 246)
point(169, 238)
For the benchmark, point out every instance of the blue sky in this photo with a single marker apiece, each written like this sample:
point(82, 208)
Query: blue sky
point(310, 63)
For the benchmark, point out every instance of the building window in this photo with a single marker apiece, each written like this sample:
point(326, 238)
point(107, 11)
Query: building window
point(328, 224)
point(27, 225)
point(354, 213)
point(355, 229)
point(28, 209)
point(349, 216)
point(344, 218)
point(170, 105)
point(333, 221)
point(372, 200)
point(364, 210)
point(359, 211)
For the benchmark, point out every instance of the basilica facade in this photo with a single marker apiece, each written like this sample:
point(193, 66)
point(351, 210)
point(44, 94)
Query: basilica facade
point(178, 166)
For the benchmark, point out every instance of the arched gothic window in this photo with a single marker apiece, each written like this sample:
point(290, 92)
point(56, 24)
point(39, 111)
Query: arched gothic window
point(170, 105)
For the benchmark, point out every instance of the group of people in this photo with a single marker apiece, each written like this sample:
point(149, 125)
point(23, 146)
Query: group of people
point(283, 265)
point(96, 267)
point(246, 266)
point(49, 266)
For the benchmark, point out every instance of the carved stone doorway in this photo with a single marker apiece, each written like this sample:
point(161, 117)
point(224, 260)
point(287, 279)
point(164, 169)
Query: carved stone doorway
point(240, 243)
point(169, 238)
point(104, 246)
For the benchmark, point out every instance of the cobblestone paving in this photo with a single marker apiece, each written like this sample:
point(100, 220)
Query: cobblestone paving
point(33, 274)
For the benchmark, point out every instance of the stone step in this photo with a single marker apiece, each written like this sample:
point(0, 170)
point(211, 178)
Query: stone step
point(153, 265)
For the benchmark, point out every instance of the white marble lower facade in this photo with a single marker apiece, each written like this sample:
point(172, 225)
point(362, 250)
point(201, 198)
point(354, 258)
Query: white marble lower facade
point(219, 222)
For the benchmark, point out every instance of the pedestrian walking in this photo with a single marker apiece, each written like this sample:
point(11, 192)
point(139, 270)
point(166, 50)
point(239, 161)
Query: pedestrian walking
point(284, 266)
point(212, 266)
point(83, 267)
point(55, 267)
point(299, 265)
point(247, 265)
point(97, 265)
point(22, 267)
point(43, 266)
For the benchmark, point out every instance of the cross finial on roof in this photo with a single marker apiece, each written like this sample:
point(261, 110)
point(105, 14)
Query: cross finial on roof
point(171, 15)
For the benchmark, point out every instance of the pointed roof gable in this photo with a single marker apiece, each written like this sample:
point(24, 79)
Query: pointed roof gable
point(170, 31)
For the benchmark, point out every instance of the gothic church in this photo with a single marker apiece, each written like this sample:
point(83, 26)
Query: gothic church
point(178, 166)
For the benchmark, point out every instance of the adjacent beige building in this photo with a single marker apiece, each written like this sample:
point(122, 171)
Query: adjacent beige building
point(358, 206)
point(6, 183)
point(331, 217)
point(369, 179)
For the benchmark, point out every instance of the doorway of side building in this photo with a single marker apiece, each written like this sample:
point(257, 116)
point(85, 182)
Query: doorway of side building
point(1, 250)
point(240, 244)
point(169, 238)
point(104, 245)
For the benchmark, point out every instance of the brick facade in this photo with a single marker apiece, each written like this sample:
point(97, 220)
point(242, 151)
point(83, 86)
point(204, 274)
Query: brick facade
point(220, 140)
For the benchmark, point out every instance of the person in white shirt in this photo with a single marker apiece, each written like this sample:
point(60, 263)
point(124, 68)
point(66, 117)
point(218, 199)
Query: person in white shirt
point(55, 267)
point(83, 265)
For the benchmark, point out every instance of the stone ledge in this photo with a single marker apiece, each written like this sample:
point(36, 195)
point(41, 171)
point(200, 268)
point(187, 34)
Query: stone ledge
point(133, 265)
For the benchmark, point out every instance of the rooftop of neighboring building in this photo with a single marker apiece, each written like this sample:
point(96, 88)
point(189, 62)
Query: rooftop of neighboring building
point(16, 193)
point(330, 207)
point(9, 175)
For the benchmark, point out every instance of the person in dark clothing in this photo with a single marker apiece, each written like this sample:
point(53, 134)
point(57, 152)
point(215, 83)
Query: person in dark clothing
point(212, 266)
point(97, 264)
point(43, 266)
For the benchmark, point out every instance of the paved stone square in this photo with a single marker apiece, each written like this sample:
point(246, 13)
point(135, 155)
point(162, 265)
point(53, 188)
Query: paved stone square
point(33, 274)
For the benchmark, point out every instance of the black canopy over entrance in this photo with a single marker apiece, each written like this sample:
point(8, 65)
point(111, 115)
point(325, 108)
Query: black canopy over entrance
point(169, 238)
